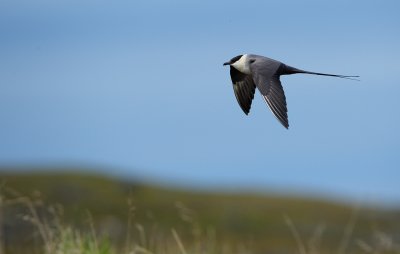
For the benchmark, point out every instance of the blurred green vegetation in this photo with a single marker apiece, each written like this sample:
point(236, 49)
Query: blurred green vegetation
point(118, 209)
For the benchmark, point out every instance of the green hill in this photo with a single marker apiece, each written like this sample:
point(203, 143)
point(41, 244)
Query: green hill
point(253, 222)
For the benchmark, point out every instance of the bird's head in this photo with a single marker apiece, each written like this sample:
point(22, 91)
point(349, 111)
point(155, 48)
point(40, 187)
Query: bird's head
point(241, 63)
point(233, 60)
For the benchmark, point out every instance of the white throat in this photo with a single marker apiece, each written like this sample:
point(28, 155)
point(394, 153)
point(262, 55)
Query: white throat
point(242, 65)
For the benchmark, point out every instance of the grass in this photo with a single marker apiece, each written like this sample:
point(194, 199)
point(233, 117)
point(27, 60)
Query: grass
point(55, 237)
point(75, 213)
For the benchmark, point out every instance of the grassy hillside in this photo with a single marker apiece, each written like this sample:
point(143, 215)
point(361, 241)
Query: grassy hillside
point(119, 210)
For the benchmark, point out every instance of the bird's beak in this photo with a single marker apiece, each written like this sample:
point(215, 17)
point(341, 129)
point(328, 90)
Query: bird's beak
point(227, 63)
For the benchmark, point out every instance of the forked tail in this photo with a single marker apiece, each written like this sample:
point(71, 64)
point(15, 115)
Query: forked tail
point(287, 70)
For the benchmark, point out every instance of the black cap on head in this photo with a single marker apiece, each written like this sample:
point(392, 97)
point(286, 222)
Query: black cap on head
point(233, 60)
point(236, 58)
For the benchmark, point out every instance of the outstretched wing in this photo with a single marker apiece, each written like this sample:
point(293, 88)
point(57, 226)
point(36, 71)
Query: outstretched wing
point(244, 88)
point(266, 74)
point(276, 101)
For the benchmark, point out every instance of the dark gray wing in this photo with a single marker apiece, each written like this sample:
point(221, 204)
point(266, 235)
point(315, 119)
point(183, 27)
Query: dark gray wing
point(276, 101)
point(266, 74)
point(244, 88)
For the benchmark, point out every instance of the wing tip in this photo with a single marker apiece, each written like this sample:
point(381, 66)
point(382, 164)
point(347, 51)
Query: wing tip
point(285, 123)
point(286, 126)
point(246, 110)
point(282, 117)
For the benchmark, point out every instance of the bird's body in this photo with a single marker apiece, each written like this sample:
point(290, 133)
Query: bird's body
point(249, 71)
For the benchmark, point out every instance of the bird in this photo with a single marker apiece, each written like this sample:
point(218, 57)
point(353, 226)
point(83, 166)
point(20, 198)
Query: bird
point(249, 71)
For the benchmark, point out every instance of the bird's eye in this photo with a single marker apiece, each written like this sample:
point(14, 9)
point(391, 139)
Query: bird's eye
point(252, 61)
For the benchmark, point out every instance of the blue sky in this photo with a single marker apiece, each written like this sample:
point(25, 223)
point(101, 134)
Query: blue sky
point(138, 87)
